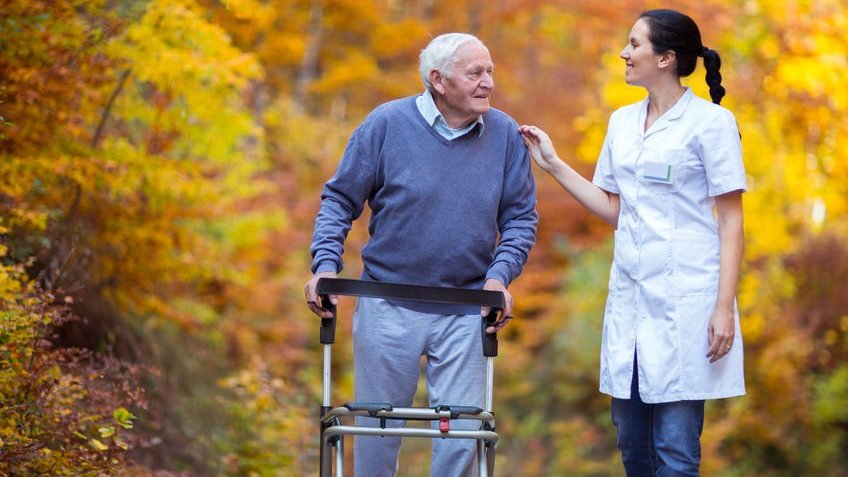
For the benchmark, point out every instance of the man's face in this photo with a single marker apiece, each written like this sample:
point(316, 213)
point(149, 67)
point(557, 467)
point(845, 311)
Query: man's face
point(463, 94)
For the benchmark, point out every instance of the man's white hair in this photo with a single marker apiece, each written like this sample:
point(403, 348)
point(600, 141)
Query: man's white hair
point(440, 54)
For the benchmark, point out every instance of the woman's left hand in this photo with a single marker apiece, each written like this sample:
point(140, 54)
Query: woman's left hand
point(720, 334)
point(721, 330)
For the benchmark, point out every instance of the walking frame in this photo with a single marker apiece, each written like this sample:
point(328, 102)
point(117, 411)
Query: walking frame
point(333, 432)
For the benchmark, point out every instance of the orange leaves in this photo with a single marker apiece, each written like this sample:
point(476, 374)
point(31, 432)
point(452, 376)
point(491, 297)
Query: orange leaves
point(47, 71)
point(400, 38)
point(190, 215)
point(54, 401)
point(349, 70)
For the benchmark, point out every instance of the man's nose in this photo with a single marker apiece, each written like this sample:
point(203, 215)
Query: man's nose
point(487, 80)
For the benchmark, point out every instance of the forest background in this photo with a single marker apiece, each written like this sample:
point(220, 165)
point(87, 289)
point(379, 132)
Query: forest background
point(161, 164)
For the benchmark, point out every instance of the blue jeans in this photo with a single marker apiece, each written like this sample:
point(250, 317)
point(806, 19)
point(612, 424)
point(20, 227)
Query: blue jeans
point(662, 440)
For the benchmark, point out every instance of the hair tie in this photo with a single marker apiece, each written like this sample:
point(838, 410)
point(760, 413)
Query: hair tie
point(704, 51)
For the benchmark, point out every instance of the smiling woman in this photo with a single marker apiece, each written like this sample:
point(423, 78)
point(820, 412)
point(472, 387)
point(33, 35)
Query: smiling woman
point(670, 179)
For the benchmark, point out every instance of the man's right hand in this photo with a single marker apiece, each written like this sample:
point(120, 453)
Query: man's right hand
point(312, 298)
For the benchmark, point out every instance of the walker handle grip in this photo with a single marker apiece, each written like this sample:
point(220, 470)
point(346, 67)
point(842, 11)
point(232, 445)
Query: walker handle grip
point(328, 325)
point(490, 340)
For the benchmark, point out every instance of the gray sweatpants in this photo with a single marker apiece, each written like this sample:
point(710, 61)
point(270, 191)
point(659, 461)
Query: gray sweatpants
point(388, 342)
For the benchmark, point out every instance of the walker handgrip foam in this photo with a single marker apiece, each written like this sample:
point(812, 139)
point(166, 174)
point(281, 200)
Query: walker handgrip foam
point(328, 325)
point(397, 291)
point(490, 340)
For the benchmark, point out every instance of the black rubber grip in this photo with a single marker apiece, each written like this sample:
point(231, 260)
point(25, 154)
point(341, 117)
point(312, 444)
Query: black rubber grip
point(328, 325)
point(456, 411)
point(371, 407)
point(490, 340)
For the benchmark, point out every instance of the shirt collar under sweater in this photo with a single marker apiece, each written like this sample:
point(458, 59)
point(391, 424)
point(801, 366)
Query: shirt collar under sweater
point(427, 108)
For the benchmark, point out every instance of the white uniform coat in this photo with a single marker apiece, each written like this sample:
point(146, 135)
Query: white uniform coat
point(664, 277)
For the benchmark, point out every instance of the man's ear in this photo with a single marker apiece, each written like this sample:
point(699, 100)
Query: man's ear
point(667, 59)
point(437, 80)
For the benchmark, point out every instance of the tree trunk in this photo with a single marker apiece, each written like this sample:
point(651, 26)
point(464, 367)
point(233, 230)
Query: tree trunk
point(309, 66)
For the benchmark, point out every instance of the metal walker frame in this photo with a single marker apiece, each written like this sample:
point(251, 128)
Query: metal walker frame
point(333, 432)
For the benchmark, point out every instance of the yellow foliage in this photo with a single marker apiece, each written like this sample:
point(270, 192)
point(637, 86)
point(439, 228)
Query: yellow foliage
point(286, 49)
point(192, 210)
point(258, 13)
point(390, 39)
point(354, 68)
point(10, 284)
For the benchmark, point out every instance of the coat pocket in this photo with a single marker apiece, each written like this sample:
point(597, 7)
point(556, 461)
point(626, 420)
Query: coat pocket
point(694, 264)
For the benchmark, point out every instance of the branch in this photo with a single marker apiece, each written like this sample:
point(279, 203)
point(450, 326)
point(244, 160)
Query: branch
point(95, 141)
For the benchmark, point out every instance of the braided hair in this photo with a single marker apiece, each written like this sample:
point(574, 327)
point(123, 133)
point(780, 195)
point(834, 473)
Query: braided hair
point(671, 30)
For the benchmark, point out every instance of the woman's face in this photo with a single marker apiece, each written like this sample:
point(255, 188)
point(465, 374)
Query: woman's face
point(642, 64)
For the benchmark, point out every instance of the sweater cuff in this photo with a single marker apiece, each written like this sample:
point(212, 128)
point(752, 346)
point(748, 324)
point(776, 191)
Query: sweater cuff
point(325, 266)
point(500, 272)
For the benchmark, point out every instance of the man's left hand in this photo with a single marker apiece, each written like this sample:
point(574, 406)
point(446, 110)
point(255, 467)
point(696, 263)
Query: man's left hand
point(506, 313)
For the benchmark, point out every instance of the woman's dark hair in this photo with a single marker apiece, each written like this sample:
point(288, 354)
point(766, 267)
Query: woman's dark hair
point(671, 30)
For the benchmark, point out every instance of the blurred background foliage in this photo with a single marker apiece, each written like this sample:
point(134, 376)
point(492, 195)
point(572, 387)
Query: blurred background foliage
point(161, 164)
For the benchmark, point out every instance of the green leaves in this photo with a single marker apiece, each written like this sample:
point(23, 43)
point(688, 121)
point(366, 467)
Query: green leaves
point(97, 445)
point(123, 418)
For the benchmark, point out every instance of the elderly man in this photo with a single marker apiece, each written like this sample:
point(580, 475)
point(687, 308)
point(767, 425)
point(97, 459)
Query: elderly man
point(452, 202)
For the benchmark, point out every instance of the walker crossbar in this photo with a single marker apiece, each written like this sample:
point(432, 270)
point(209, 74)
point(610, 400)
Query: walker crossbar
point(413, 413)
point(489, 437)
point(397, 291)
point(333, 432)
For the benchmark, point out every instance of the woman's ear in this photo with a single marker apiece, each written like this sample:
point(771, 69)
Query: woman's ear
point(667, 59)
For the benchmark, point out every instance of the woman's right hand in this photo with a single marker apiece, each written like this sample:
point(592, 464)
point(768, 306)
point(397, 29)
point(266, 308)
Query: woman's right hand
point(605, 205)
point(541, 148)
